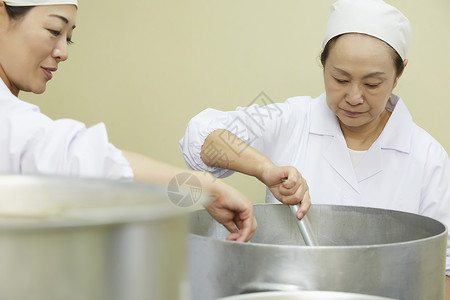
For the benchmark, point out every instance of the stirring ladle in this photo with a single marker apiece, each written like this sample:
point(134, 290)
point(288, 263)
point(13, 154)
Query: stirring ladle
point(304, 226)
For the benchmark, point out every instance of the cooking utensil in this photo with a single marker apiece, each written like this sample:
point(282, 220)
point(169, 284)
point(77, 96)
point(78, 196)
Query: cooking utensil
point(304, 226)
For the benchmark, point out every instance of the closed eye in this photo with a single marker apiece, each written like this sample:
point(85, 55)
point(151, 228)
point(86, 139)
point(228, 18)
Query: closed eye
point(340, 80)
point(372, 86)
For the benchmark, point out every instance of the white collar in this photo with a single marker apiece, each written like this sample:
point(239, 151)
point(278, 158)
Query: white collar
point(396, 135)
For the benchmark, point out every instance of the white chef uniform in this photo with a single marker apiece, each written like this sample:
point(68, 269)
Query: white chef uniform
point(32, 143)
point(405, 169)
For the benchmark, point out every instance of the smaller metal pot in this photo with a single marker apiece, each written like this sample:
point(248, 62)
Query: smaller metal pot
point(305, 295)
point(83, 239)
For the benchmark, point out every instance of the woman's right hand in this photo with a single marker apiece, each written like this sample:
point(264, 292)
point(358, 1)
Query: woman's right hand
point(232, 209)
point(285, 183)
point(288, 186)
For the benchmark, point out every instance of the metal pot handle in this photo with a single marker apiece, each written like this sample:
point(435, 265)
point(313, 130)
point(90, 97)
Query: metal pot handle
point(259, 287)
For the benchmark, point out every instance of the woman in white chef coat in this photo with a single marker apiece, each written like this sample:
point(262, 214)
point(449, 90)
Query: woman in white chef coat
point(355, 144)
point(34, 35)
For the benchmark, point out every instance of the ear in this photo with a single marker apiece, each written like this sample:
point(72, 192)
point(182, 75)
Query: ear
point(405, 62)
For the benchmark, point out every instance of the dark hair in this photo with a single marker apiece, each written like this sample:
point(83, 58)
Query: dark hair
point(17, 12)
point(398, 61)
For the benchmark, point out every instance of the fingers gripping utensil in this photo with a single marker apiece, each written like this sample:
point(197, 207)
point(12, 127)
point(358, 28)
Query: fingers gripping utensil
point(304, 226)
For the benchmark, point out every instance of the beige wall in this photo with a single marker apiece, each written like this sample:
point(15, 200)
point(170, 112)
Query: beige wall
point(146, 67)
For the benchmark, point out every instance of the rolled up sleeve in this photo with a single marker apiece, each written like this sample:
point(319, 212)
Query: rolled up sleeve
point(256, 125)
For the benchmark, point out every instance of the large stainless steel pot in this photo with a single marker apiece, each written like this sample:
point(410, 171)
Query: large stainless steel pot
point(304, 295)
point(363, 250)
point(75, 239)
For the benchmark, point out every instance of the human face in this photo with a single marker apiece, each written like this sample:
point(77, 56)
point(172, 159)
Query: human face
point(359, 77)
point(32, 47)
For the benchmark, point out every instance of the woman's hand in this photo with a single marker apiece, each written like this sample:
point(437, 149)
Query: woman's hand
point(233, 210)
point(228, 206)
point(288, 186)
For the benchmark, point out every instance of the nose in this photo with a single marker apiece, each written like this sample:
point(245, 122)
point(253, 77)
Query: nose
point(354, 95)
point(60, 52)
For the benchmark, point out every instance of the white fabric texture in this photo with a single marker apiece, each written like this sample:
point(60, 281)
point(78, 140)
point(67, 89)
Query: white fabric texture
point(32, 143)
point(39, 2)
point(356, 156)
point(372, 17)
point(405, 169)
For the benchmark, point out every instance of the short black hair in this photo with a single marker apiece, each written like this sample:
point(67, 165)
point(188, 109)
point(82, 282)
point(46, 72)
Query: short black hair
point(17, 12)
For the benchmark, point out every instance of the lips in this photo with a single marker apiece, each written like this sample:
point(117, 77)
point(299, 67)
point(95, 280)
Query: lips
point(48, 72)
point(352, 113)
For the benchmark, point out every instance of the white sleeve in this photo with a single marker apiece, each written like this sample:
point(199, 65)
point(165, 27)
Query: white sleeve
point(257, 125)
point(35, 144)
point(436, 191)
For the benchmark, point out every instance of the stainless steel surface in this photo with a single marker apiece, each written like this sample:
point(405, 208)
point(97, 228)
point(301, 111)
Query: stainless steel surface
point(363, 250)
point(304, 227)
point(75, 239)
point(305, 295)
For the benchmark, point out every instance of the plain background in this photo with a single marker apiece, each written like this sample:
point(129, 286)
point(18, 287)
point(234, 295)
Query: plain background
point(146, 67)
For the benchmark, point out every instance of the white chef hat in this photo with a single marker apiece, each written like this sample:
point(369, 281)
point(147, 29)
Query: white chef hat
point(371, 17)
point(38, 2)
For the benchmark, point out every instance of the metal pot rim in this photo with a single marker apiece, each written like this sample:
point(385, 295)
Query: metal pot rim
point(151, 203)
point(305, 293)
point(263, 245)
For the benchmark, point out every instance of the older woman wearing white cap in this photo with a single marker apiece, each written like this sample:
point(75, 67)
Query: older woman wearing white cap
point(34, 35)
point(355, 144)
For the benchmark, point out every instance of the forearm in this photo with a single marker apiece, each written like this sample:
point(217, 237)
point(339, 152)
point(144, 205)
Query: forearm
point(151, 170)
point(225, 150)
point(225, 204)
point(285, 182)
